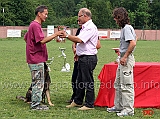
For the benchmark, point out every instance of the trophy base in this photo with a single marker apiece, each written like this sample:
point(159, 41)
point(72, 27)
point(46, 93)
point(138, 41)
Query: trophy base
point(64, 69)
point(49, 69)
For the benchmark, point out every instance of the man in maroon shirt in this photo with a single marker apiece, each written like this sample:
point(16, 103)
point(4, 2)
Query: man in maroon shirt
point(36, 55)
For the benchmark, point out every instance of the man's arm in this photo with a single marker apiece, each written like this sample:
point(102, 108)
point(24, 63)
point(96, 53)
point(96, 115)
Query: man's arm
point(70, 37)
point(98, 44)
point(49, 38)
point(131, 46)
point(74, 48)
point(74, 39)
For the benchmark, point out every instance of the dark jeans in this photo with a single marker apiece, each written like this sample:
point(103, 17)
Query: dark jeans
point(85, 80)
point(74, 77)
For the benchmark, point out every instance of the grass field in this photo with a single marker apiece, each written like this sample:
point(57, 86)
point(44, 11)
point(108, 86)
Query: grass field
point(15, 80)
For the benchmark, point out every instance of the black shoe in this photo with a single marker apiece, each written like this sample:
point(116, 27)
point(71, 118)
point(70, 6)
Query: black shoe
point(40, 107)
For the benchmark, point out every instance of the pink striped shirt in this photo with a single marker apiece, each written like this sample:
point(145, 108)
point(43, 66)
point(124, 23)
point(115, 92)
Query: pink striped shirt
point(89, 36)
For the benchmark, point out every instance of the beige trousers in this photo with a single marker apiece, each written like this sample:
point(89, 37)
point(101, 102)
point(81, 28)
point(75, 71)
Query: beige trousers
point(124, 86)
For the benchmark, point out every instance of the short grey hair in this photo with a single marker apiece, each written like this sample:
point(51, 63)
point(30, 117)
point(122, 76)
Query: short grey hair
point(86, 12)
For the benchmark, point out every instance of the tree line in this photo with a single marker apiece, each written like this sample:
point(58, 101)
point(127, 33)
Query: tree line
point(144, 14)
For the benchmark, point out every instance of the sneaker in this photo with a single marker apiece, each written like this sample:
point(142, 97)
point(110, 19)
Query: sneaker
point(40, 107)
point(122, 114)
point(113, 109)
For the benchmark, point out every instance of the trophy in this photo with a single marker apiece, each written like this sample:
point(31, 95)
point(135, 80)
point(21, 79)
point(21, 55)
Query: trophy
point(49, 62)
point(118, 53)
point(60, 28)
point(66, 66)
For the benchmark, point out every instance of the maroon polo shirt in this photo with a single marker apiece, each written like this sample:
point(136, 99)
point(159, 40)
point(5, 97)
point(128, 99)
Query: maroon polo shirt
point(35, 51)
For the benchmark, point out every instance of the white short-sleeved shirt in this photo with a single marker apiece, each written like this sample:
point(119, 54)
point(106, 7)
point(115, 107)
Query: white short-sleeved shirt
point(127, 34)
point(89, 36)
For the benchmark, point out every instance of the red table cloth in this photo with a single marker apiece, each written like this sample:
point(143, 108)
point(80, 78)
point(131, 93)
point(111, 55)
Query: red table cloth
point(146, 83)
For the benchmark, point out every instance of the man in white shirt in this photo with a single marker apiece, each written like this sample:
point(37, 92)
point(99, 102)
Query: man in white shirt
point(86, 51)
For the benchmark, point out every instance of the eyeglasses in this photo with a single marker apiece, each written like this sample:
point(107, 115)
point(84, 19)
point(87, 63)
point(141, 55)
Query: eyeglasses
point(81, 15)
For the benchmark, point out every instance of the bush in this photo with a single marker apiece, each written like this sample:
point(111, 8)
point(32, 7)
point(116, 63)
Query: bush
point(23, 33)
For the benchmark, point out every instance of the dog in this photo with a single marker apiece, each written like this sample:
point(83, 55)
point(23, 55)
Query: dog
point(46, 90)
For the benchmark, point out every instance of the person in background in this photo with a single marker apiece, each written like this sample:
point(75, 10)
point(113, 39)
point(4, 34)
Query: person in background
point(36, 55)
point(75, 69)
point(87, 60)
point(124, 82)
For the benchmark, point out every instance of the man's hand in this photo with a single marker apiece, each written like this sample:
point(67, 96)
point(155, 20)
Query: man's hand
point(123, 61)
point(75, 57)
point(63, 34)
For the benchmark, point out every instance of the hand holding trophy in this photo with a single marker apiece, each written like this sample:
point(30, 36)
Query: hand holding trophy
point(61, 28)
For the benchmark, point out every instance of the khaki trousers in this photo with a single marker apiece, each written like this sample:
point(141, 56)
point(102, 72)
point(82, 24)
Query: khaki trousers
point(124, 86)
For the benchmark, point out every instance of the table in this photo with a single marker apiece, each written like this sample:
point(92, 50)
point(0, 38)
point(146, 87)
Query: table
point(146, 83)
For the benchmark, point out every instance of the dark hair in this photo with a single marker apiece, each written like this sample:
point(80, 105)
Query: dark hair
point(40, 9)
point(121, 15)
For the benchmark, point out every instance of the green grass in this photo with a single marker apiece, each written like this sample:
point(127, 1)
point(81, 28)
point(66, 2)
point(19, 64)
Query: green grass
point(15, 79)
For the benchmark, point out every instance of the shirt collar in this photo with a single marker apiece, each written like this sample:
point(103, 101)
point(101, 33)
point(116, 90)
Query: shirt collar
point(86, 24)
